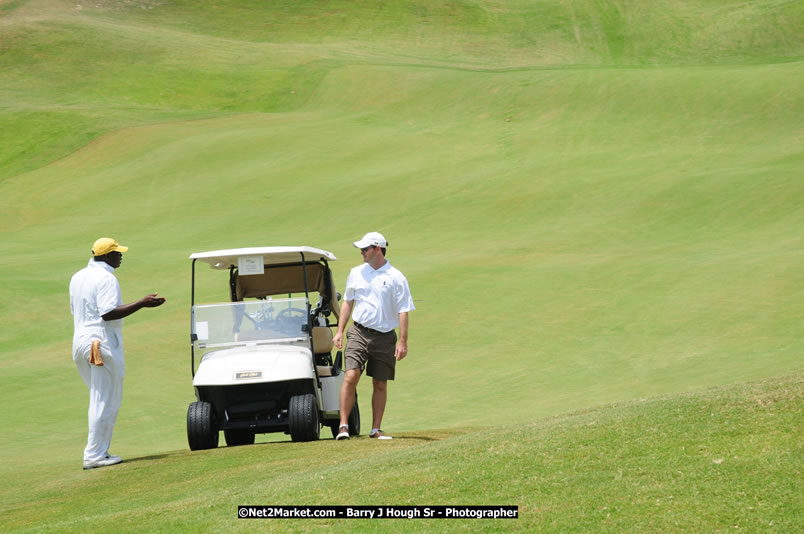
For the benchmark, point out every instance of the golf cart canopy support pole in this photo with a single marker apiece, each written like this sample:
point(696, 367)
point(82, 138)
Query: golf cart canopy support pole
point(309, 319)
point(192, 320)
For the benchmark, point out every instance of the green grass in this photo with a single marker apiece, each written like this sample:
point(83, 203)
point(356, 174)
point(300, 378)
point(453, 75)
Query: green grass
point(594, 201)
point(713, 461)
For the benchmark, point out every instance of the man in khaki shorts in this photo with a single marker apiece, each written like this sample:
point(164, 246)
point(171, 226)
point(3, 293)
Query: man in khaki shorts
point(377, 298)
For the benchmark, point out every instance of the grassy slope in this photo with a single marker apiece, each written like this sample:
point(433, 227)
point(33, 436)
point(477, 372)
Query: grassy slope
point(714, 461)
point(599, 198)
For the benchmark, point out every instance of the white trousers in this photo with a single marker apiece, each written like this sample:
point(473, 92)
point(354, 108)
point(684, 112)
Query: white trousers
point(105, 385)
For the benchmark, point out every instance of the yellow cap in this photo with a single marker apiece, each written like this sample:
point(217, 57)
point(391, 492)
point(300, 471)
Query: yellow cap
point(105, 245)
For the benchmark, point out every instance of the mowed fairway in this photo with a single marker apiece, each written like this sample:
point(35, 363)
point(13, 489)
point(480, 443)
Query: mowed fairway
point(594, 202)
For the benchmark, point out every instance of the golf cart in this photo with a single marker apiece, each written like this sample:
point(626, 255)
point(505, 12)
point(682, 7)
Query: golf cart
point(266, 360)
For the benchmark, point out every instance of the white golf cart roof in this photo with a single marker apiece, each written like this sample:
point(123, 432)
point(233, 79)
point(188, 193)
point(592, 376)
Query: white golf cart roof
point(224, 259)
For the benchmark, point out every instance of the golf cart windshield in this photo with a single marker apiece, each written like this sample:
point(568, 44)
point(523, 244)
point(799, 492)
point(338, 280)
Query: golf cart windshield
point(253, 322)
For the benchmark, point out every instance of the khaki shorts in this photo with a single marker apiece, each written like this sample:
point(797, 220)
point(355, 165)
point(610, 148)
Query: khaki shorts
point(372, 350)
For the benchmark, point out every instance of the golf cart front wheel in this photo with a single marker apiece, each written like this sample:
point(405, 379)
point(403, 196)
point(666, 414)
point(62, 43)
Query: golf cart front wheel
point(303, 415)
point(237, 437)
point(202, 429)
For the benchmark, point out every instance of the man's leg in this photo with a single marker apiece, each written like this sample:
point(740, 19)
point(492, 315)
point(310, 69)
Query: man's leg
point(354, 355)
point(101, 384)
point(83, 367)
point(105, 398)
point(378, 401)
point(114, 398)
point(350, 380)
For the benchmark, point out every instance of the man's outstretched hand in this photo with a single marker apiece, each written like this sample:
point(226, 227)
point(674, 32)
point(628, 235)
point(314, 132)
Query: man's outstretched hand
point(152, 300)
point(148, 301)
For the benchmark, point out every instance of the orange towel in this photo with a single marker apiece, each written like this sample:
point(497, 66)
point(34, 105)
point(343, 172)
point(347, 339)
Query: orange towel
point(95, 357)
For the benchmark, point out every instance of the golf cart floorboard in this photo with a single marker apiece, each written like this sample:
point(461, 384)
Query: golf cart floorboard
point(261, 404)
point(258, 426)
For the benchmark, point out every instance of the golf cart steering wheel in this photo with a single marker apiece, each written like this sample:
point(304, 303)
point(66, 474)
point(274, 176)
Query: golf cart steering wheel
point(291, 314)
point(290, 320)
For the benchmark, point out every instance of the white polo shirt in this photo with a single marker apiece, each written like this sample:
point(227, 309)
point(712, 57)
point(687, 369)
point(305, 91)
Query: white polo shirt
point(379, 296)
point(95, 291)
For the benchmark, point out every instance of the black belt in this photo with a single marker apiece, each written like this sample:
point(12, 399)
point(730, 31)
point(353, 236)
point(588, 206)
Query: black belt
point(369, 329)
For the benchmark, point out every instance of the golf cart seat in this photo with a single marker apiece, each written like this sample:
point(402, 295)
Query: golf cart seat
point(322, 340)
point(322, 345)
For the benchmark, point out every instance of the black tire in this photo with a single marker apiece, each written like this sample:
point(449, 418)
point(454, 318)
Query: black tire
point(202, 429)
point(333, 427)
point(303, 416)
point(354, 419)
point(238, 436)
point(354, 422)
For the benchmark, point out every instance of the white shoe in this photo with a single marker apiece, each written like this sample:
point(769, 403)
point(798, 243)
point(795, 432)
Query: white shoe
point(102, 462)
point(344, 432)
point(379, 434)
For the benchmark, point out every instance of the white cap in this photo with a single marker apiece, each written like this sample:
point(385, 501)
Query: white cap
point(374, 239)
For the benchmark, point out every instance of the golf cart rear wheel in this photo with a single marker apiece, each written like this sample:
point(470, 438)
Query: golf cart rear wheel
point(354, 422)
point(303, 415)
point(354, 419)
point(202, 429)
point(238, 437)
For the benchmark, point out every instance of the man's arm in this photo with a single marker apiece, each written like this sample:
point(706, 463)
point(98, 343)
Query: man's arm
point(402, 343)
point(343, 318)
point(148, 301)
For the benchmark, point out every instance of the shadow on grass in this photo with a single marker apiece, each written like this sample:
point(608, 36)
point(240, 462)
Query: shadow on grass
point(404, 438)
point(154, 457)
point(429, 436)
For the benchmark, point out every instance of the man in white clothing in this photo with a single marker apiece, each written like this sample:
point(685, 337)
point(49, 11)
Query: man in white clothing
point(377, 298)
point(98, 310)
